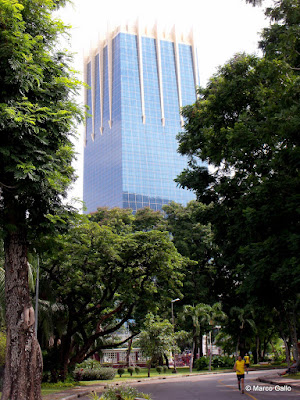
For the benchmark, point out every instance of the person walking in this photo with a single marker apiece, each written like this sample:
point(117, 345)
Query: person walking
point(247, 361)
point(240, 367)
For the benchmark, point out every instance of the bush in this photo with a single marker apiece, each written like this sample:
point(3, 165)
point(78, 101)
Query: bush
point(137, 370)
point(165, 368)
point(88, 374)
point(121, 371)
point(159, 369)
point(123, 392)
point(228, 362)
point(201, 363)
point(89, 363)
point(130, 370)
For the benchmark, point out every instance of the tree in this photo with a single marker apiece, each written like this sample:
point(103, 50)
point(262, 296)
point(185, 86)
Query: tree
point(216, 316)
point(157, 338)
point(194, 240)
point(37, 117)
point(199, 315)
point(104, 279)
point(245, 125)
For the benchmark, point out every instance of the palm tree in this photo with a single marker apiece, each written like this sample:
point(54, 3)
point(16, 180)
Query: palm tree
point(216, 316)
point(241, 314)
point(199, 315)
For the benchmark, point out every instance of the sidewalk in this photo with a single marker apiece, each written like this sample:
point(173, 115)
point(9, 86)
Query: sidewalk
point(281, 381)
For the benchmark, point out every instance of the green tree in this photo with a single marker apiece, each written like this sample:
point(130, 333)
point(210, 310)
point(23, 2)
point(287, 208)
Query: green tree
point(193, 239)
point(37, 113)
point(157, 339)
point(199, 315)
point(216, 317)
point(245, 124)
point(104, 279)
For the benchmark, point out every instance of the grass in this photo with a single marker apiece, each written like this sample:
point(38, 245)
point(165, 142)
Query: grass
point(295, 376)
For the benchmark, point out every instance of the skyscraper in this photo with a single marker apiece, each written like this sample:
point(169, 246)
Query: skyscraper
point(139, 79)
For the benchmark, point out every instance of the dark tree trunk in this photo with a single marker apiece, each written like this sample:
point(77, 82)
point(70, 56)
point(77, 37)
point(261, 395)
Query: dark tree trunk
point(294, 335)
point(195, 350)
point(23, 365)
point(167, 361)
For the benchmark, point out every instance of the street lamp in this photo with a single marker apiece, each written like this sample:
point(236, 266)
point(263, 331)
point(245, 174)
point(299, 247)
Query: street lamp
point(173, 323)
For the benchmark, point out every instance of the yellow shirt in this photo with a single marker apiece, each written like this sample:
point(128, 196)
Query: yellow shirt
point(247, 359)
point(240, 367)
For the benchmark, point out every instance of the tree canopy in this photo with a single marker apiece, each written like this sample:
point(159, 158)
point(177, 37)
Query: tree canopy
point(103, 279)
point(37, 119)
point(245, 125)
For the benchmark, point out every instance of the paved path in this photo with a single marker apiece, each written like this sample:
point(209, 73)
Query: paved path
point(205, 387)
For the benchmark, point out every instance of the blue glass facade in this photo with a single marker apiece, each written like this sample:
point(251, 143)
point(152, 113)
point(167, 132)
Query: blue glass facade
point(133, 162)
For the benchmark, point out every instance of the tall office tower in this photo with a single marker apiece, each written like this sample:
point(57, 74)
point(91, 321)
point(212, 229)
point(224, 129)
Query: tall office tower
point(139, 80)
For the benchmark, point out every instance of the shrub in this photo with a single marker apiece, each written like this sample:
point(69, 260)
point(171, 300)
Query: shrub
point(159, 369)
point(123, 392)
point(130, 370)
point(216, 362)
point(228, 362)
point(201, 363)
point(89, 363)
point(165, 368)
point(88, 374)
point(137, 370)
point(121, 371)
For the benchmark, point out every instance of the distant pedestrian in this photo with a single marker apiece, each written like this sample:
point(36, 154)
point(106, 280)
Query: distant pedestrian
point(240, 367)
point(247, 361)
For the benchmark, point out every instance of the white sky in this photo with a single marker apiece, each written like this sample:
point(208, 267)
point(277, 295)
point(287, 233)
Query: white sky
point(223, 28)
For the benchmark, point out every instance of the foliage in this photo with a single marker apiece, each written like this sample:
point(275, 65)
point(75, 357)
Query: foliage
point(130, 370)
point(157, 338)
point(159, 369)
point(38, 117)
point(123, 392)
point(245, 125)
point(193, 239)
point(223, 362)
point(89, 363)
point(37, 114)
point(2, 348)
point(137, 370)
point(93, 374)
point(201, 363)
point(104, 278)
point(121, 371)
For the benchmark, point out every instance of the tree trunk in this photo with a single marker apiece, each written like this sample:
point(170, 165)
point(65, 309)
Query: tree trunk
point(195, 346)
point(201, 345)
point(23, 364)
point(287, 351)
point(257, 349)
point(237, 347)
point(128, 352)
point(167, 361)
point(294, 336)
point(192, 356)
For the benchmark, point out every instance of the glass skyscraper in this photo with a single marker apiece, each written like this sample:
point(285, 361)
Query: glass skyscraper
point(139, 79)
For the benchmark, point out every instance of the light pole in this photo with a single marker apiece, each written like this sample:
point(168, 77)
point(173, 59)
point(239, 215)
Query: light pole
point(173, 323)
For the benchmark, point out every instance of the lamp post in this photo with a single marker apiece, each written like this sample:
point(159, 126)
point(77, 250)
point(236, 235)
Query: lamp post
point(173, 323)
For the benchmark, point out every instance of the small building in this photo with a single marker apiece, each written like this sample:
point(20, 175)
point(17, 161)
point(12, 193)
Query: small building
point(118, 356)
